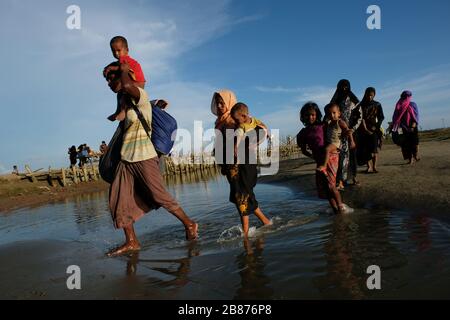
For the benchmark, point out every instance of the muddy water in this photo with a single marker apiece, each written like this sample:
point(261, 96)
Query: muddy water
point(306, 254)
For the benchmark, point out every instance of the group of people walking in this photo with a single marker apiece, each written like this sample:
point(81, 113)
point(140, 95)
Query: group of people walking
point(83, 154)
point(348, 134)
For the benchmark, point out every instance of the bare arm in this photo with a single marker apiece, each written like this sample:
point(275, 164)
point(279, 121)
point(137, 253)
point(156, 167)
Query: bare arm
point(266, 130)
point(347, 132)
point(128, 85)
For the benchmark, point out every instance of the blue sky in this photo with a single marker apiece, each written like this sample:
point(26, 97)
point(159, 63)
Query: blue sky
point(275, 55)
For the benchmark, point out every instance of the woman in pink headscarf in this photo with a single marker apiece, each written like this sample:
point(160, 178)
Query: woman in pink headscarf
point(241, 177)
point(405, 122)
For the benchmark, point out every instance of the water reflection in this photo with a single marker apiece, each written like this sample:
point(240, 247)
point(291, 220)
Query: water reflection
point(89, 210)
point(357, 242)
point(419, 231)
point(177, 269)
point(203, 176)
point(254, 283)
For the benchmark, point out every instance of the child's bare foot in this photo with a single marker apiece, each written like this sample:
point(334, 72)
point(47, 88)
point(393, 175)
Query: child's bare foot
point(121, 115)
point(112, 117)
point(192, 231)
point(124, 249)
point(118, 116)
point(345, 209)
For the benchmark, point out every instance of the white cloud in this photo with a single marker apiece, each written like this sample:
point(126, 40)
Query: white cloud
point(188, 102)
point(277, 89)
point(431, 91)
point(65, 91)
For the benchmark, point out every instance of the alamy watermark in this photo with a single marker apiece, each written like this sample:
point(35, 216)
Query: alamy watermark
point(74, 280)
point(254, 147)
point(374, 20)
point(73, 21)
point(374, 280)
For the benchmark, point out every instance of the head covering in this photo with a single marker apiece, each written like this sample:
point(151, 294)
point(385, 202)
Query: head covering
point(365, 101)
point(229, 99)
point(341, 94)
point(405, 110)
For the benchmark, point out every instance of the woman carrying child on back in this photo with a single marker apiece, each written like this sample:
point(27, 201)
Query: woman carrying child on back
point(312, 143)
point(233, 121)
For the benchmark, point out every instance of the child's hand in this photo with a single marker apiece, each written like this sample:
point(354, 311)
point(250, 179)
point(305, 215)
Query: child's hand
point(352, 145)
point(108, 69)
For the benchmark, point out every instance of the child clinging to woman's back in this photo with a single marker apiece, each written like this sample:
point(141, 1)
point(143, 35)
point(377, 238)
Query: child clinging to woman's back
point(335, 128)
point(245, 174)
point(119, 48)
point(245, 124)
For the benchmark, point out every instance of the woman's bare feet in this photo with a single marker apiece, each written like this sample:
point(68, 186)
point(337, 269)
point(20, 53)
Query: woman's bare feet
point(128, 247)
point(191, 231)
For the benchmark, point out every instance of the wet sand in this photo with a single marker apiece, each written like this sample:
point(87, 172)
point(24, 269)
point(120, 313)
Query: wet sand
point(36, 270)
point(424, 186)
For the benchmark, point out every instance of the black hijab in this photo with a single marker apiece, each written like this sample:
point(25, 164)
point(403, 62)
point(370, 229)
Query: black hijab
point(343, 91)
point(365, 101)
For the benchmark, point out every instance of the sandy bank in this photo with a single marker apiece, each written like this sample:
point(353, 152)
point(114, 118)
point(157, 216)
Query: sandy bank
point(16, 194)
point(424, 186)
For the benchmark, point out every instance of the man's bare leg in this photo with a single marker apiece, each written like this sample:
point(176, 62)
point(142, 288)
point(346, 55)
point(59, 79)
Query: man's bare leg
point(190, 226)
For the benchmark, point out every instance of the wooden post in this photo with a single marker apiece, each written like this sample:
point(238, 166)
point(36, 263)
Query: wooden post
point(86, 177)
point(30, 174)
point(75, 176)
point(63, 177)
point(50, 177)
point(94, 173)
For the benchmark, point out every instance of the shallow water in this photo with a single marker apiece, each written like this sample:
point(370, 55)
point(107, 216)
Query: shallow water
point(305, 254)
